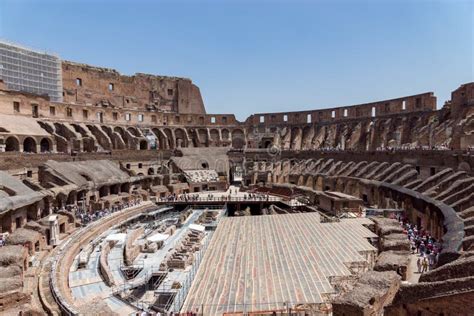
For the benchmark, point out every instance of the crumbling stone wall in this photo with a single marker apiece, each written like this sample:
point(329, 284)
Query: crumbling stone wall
point(131, 251)
point(368, 296)
point(108, 88)
point(104, 266)
point(451, 297)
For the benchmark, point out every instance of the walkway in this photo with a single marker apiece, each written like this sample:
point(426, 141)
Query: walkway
point(86, 284)
point(412, 273)
point(232, 195)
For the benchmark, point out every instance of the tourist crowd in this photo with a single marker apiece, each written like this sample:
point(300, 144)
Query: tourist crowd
point(86, 216)
point(392, 148)
point(423, 244)
point(186, 197)
point(145, 313)
point(410, 147)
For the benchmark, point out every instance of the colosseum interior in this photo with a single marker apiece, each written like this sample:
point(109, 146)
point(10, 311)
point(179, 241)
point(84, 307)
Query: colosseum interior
point(127, 197)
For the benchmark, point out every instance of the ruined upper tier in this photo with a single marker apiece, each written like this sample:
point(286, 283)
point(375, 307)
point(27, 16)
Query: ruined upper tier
point(84, 84)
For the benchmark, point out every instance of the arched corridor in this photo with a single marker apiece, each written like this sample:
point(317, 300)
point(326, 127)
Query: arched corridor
point(143, 145)
point(45, 145)
point(29, 145)
point(12, 144)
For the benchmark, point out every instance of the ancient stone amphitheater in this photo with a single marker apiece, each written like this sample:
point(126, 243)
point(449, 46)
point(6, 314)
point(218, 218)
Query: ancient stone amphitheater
point(112, 194)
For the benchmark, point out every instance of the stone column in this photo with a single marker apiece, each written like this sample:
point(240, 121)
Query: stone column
point(54, 230)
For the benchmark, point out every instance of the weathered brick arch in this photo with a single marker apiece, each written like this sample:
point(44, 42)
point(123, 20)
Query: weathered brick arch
point(225, 135)
point(306, 138)
point(301, 180)
point(115, 137)
point(296, 138)
point(238, 139)
point(12, 143)
point(121, 131)
point(214, 137)
point(318, 183)
point(29, 145)
point(102, 138)
point(339, 185)
point(169, 138)
point(181, 138)
point(203, 137)
point(161, 137)
point(309, 181)
point(134, 131)
point(46, 144)
point(193, 138)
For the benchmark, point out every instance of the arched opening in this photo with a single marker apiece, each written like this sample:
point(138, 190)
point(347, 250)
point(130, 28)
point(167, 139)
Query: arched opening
point(214, 134)
point(71, 198)
point(204, 165)
point(225, 135)
point(203, 137)
point(29, 145)
point(181, 138)
point(295, 138)
point(143, 145)
point(125, 187)
point(238, 139)
point(193, 137)
point(169, 138)
point(161, 138)
point(151, 171)
point(12, 144)
point(115, 189)
point(60, 200)
point(104, 191)
point(121, 132)
point(134, 131)
point(45, 145)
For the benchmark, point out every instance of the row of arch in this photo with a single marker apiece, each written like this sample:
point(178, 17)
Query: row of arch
point(77, 138)
point(200, 137)
point(29, 144)
point(358, 135)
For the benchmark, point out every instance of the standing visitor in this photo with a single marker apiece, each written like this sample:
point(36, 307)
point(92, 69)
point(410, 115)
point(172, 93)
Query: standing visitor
point(425, 265)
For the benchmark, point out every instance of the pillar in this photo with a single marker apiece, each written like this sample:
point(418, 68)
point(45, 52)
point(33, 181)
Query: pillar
point(54, 230)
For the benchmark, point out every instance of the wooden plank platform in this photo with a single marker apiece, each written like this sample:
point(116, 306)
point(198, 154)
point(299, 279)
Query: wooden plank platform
point(261, 262)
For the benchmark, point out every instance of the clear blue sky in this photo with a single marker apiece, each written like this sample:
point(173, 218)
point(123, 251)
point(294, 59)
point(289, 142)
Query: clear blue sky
point(263, 56)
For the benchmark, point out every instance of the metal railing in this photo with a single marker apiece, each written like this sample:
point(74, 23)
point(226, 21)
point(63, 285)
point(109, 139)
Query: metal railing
point(224, 199)
point(287, 308)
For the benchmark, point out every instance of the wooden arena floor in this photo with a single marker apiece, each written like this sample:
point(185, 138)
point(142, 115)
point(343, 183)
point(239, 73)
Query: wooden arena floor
point(257, 263)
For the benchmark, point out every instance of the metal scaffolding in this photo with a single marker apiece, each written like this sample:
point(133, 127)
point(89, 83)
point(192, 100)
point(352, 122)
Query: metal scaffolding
point(26, 70)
